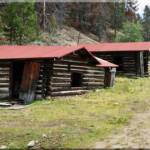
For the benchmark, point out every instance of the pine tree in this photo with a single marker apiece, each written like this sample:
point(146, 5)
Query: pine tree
point(20, 22)
point(118, 16)
point(146, 23)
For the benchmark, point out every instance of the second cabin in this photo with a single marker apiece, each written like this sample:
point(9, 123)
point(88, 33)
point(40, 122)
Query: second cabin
point(36, 72)
point(132, 58)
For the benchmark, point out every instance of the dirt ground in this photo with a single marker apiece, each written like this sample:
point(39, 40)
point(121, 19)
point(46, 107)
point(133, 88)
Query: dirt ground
point(135, 135)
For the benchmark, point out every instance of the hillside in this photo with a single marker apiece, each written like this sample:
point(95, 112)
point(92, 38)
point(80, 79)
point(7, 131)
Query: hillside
point(65, 36)
point(99, 21)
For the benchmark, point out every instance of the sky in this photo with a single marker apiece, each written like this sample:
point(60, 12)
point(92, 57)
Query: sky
point(142, 4)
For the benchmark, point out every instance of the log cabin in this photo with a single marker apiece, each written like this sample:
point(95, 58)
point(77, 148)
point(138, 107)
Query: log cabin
point(35, 72)
point(132, 58)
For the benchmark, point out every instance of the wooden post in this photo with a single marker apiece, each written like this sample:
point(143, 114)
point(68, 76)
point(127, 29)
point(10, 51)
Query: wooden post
point(140, 64)
point(29, 82)
point(109, 77)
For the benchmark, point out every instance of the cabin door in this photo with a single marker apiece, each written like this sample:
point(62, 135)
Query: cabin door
point(29, 81)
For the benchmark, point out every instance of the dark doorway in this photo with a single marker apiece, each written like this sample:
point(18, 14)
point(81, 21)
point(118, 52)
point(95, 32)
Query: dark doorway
point(119, 61)
point(76, 79)
point(17, 73)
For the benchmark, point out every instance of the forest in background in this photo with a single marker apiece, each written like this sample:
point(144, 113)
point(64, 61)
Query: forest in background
point(23, 23)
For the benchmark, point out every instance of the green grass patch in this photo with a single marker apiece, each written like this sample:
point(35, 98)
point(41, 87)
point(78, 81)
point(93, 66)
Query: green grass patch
point(78, 121)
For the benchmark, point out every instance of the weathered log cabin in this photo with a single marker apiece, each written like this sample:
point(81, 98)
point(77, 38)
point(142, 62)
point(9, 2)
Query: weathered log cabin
point(132, 58)
point(33, 72)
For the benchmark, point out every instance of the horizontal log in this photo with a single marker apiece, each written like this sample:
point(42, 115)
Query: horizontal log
point(67, 88)
point(95, 75)
point(39, 86)
point(86, 67)
point(60, 65)
point(60, 69)
point(65, 93)
point(61, 73)
point(4, 69)
point(92, 80)
point(4, 88)
point(4, 84)
point(60, 84)
point(95, 71)
point(4, 74)
point(39, 92)
point(58, 79)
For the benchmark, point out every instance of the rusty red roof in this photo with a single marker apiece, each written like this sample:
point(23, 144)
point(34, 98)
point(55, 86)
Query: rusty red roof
point(118, 47)
point(104, 63)
point(13, 52)
point(35, 51)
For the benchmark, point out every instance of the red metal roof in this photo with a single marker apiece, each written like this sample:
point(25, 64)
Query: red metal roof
point(13, 52)
point(35, 51)
point(118, 47)
point(104, 63)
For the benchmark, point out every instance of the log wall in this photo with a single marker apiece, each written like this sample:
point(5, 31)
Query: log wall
point(55, 76)
point(60, 84)
point(44, 79)
point(5, 71)
point(129, 61)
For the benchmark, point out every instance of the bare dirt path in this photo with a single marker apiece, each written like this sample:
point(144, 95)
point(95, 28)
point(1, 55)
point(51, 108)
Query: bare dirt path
point(135, 135)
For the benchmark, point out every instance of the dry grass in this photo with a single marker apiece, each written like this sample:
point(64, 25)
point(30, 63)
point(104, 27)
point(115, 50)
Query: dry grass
point(75, 122)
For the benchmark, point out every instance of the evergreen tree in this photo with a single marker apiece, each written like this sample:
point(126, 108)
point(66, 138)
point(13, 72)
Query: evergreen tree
point(20, 22)
point(146, 23)
point(118, 16)
point(131, 32)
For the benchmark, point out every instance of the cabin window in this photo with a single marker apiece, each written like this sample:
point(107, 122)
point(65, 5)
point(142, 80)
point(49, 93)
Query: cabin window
point(76, 79)
point(119, 61)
